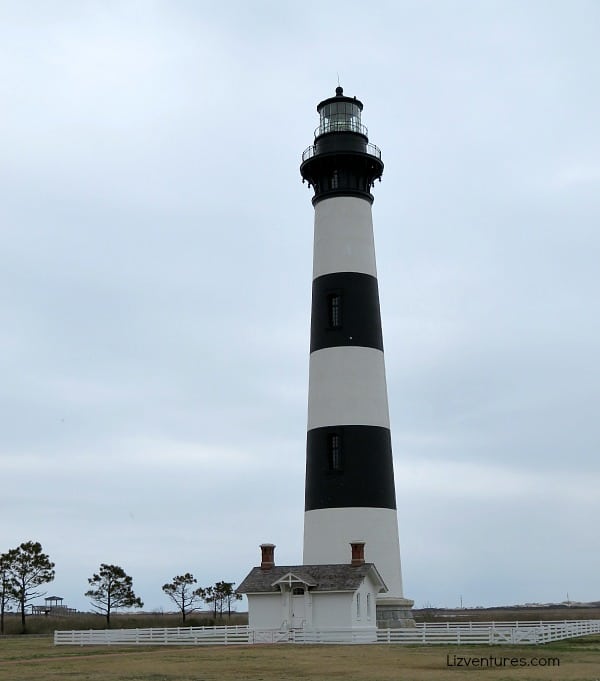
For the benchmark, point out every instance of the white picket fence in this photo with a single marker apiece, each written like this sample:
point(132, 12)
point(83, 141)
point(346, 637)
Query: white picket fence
point(172, 636)
point(490, 633)
point(450, 633)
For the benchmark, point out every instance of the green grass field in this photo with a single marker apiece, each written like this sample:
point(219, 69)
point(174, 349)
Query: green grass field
point(31, 658)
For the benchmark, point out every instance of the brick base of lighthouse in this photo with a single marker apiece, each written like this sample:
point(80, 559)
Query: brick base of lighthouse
point(395, 613)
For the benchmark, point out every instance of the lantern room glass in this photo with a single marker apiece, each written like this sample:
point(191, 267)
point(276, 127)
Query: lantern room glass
point(339, 117)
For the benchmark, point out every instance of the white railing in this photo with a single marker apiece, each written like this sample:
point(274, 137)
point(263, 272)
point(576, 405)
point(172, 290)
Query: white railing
point(333, 635)
point(450, 633)
point(491, 633)
point(173, 636)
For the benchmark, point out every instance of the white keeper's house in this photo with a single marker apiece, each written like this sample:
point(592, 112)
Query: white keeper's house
point(335, 596)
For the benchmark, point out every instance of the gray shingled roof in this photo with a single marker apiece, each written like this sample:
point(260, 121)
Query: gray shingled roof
point(342, 577)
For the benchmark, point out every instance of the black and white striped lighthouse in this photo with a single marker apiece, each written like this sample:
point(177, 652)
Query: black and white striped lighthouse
point(350, 492)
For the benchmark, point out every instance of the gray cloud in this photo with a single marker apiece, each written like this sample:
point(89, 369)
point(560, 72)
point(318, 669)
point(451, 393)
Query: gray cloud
point(155, 283)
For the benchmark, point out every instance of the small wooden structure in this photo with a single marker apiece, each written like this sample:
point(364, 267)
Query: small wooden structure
point(53, 605)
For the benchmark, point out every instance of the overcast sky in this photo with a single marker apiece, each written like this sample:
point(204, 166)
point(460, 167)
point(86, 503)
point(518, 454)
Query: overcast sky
point(155, 279)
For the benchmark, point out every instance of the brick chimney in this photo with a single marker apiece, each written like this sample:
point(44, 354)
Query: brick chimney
point(267, 560)
point(358, 552)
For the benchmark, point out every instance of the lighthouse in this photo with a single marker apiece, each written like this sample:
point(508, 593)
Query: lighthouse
point(350, 494)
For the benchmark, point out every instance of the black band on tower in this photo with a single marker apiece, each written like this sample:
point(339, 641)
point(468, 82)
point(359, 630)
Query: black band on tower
point(356, 469)
point(345, 311)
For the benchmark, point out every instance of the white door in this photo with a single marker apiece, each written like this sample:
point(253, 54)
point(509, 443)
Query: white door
point(298, 608)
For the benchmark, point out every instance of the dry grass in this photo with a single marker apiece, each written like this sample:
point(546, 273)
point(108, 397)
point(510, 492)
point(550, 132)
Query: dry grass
point(40, 624)
point(47, 625)
point(33, 658)
point(507, 614)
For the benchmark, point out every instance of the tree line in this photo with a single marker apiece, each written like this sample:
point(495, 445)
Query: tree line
point(25, 569)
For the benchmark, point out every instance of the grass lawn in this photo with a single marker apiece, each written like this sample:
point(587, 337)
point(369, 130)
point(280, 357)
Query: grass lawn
point(27, 658)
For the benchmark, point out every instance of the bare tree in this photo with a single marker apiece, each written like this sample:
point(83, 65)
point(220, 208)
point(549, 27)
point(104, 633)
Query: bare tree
point(112, 588)
point(27, 568)
point(181, 591)
point(4, 588)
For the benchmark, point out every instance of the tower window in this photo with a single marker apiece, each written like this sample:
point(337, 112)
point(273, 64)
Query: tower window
point(335, 452)
point(334, 308)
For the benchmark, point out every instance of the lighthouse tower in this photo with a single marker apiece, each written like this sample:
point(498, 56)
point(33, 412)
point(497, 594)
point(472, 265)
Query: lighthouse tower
point(350, 492)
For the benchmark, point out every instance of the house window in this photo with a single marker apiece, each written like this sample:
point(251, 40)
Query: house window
point(335, 452)
point(358, 606)
point(298, 591)
point(334, 310)
point(368, 606)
